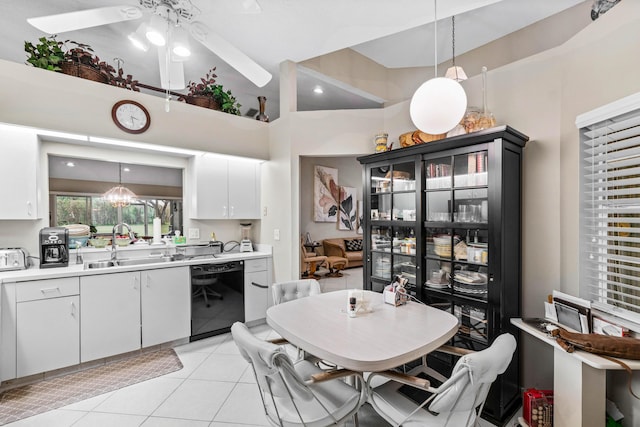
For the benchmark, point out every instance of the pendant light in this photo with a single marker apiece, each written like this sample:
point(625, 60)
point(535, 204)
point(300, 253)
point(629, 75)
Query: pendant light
point(454, 72)
point(439, 103)
point(119, 196)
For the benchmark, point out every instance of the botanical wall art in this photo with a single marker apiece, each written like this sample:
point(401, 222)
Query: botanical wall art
point(347, 219)
point(326, 194)
point(360, 212)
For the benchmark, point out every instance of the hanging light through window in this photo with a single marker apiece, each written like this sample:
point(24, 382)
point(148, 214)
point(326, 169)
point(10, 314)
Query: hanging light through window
point(119, 196)
point(438, 104)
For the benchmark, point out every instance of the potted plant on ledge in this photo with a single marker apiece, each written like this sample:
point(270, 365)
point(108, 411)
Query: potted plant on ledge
point(208, 94)
point(46, 54)
point(80, 61)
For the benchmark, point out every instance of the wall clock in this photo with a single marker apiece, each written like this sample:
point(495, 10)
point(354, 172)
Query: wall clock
point(130, 116)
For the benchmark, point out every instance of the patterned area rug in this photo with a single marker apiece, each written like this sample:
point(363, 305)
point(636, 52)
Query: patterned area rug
point(32, 399)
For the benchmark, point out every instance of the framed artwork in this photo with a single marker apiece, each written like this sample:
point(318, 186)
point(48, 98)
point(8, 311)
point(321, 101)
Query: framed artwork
point(326, 194)
point(360, 217)
point(347, 220)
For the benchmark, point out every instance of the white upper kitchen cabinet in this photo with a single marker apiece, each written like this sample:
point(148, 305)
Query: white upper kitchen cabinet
point(19, 169)
point(224, 188)
point(166, 305)
point(110, 315)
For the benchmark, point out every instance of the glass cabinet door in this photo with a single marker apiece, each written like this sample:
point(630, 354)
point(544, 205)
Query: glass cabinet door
point(393, 253)
point(457, 243)
point(393, 196)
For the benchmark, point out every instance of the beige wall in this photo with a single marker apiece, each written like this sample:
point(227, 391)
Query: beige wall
point(349, 175)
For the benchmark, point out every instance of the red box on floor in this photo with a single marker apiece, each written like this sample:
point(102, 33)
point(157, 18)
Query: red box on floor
point(537, 407)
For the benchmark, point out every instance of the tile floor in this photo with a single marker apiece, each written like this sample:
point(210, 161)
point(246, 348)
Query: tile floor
point(215, 388)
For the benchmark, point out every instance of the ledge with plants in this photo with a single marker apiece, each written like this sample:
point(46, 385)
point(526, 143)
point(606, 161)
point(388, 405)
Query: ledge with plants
point(78, 60)
point(209, 94)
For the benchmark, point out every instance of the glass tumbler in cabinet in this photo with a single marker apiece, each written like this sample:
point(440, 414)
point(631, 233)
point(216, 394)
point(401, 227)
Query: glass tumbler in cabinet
point(470, 169)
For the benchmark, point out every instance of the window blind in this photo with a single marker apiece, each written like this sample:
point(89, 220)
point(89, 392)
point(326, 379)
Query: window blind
point(610, 211)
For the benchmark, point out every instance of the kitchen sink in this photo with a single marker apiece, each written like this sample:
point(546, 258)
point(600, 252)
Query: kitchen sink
point(125, 262)
point(99, 264)
point(139, 261)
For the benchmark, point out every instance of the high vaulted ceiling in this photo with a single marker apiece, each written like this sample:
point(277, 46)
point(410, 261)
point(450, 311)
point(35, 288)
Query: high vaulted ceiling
point(394, 34)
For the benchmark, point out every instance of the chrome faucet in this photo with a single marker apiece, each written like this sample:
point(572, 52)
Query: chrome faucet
point(114, 250)
point(79, 259)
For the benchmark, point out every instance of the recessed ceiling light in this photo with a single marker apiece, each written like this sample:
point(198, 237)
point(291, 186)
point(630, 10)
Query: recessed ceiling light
point(126, 169)
point(318, 90)
point(71, 164)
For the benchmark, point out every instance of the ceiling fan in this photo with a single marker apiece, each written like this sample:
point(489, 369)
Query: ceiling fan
point(170, 20)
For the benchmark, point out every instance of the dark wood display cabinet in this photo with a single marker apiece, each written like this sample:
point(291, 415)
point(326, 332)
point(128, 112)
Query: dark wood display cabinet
point(447, 215)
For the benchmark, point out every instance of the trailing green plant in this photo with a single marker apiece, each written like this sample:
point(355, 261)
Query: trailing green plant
point(208, 87)
point(46, 54)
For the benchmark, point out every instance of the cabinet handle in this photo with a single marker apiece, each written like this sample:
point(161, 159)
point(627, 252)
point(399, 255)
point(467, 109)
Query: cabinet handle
point(148, 281)
point(73, 309)
point(258, 285)
point(231, 212)
point(47, 290)
point(135, 283)
point(224, 211)
point(29, 212)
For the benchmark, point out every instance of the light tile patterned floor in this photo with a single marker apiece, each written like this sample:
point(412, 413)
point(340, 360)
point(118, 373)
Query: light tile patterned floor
point(215, 388)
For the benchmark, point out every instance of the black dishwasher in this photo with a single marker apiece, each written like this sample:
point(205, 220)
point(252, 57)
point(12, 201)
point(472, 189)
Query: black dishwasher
point(217, 298)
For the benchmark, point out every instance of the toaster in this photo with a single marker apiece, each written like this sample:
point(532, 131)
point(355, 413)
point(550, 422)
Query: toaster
point(13, 259)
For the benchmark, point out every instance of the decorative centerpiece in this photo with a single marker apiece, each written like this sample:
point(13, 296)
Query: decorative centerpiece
point(208, 94)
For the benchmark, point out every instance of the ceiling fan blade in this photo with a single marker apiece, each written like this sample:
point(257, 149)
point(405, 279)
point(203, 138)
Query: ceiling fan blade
point(63, 22)
point(171, 72)
point(230, 54)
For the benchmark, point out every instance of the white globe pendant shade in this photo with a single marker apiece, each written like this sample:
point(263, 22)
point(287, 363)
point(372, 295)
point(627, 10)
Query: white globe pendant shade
point(438, 105)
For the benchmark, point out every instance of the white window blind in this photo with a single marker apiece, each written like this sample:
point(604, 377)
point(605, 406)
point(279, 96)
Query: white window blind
point(610, 207)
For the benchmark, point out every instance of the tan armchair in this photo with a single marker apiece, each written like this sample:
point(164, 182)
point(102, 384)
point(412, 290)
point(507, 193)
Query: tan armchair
point(310, 262)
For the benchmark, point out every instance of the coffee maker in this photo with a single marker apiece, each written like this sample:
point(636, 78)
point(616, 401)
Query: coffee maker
point(54, 247)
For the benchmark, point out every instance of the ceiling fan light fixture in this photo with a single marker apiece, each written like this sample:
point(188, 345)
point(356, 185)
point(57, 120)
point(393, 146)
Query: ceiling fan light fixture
point(138, 38)
point(156, 31)
point(180, 43)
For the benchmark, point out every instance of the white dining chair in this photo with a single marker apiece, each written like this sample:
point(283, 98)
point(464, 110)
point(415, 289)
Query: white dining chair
point(292, 290)
point(298, 394)
point(457, 402)
point(287, 291)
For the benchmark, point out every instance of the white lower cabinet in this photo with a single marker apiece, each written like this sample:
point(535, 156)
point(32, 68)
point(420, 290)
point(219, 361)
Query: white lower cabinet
point(47, 325)
point(110, 313)
point(166, 305)
point(257, 288)
point(123, 312)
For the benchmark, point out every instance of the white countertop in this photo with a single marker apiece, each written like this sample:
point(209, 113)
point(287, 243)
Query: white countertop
point(76, 270)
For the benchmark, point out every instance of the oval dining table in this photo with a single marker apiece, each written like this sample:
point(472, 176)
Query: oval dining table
point(381, 338)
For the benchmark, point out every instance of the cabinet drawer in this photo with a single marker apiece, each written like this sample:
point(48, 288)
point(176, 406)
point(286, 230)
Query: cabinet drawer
point(251, 265)
point(43, 289)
